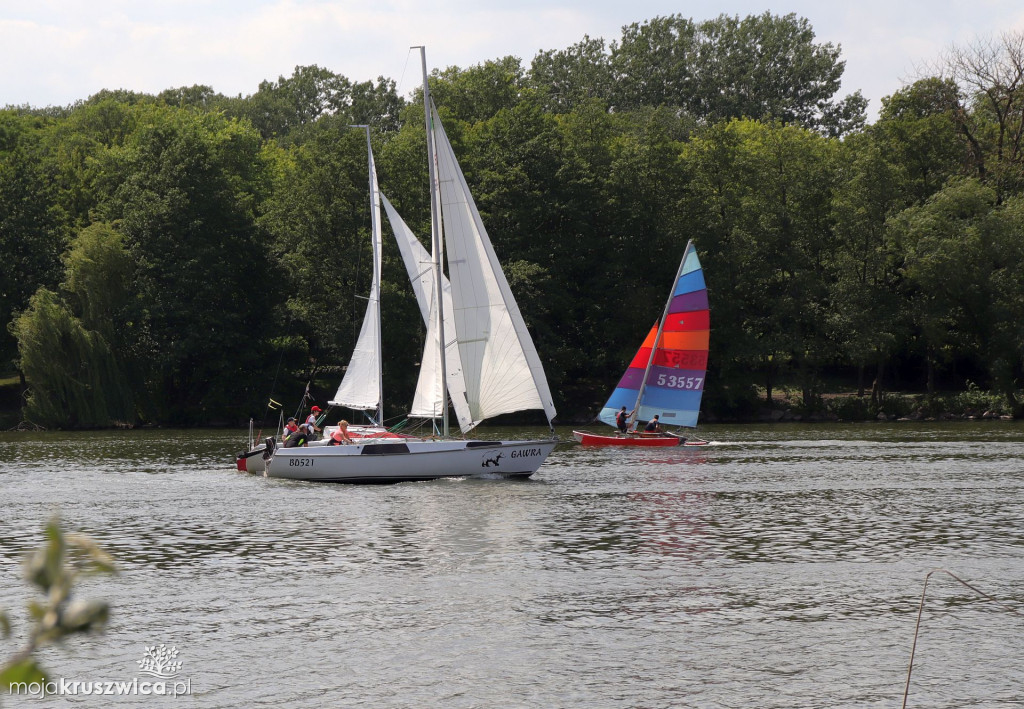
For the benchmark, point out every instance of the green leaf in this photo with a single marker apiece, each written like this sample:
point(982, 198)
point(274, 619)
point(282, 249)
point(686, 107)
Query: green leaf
point(23, 671)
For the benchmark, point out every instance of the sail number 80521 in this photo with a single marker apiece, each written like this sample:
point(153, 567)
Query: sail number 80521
point(673, 382)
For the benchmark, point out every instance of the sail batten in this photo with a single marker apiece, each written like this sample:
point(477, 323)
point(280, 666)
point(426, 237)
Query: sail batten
point(666, 376)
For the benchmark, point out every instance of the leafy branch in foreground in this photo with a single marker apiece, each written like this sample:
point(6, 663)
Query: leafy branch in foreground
point(54, 569)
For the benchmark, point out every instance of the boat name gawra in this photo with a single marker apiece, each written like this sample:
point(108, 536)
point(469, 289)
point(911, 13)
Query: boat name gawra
point(526, 453)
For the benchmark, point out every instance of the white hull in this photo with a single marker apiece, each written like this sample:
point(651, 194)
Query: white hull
point(409, 461)
point(252, 461)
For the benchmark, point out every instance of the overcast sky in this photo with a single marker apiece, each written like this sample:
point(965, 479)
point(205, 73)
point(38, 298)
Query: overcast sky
point(55, 52)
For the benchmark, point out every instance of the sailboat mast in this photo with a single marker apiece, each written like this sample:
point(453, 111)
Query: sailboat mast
point(435, 238)
point(661, 327)
point(375, 289)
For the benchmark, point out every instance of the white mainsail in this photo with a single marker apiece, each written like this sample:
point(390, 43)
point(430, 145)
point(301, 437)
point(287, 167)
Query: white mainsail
point(501, 368)
point(361, 386)
point(428, 401)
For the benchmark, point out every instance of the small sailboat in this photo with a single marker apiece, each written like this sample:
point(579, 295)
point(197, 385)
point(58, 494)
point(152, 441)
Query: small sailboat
point(489, 366)
point(665, 380)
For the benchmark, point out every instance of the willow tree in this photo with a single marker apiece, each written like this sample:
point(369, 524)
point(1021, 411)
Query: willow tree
point(73, 376)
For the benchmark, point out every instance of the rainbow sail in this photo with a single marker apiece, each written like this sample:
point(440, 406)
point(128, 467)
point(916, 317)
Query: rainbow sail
point(667, 379)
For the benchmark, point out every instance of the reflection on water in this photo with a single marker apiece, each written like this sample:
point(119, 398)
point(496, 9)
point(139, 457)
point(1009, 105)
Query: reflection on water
point(779, 567)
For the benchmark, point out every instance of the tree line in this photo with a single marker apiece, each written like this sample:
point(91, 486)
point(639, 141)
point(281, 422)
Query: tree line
point(176, 258)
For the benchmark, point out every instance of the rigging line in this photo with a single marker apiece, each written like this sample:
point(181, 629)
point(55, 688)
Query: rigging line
point(405, 68)
point(920, 611)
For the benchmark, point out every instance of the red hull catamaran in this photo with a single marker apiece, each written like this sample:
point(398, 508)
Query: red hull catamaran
point(642, 440)
point(666, 377)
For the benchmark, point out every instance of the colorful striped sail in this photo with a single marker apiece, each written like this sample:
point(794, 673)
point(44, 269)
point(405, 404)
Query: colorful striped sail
point(667, 379)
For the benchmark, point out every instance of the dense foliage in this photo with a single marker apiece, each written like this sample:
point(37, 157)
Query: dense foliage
point(175, 258)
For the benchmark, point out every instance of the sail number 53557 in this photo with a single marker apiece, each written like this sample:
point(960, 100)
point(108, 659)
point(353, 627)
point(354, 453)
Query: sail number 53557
point(673, 382)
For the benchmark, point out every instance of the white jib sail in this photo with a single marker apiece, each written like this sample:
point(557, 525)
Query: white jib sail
point(502, 370)
point(429, 399)
point(361, 386)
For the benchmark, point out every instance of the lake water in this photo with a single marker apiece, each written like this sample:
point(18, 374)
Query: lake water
point(780, 567)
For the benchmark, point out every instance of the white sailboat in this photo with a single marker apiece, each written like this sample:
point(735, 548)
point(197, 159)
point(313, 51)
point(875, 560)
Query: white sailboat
point(497, 366)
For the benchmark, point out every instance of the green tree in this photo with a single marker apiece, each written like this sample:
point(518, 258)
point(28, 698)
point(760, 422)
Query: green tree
point(765, 191)
point(74, 148)
point(761, 67)
point(917, 134)
point(902, 160)
point(959, 253)
point(865, 317)
point(319, 218)
point(1003, 346)
point(565, 79)
point(282, 107)
point(479, 92)
point(32, 228)
point(287, 108)
point(377, 105)
point(185, 191)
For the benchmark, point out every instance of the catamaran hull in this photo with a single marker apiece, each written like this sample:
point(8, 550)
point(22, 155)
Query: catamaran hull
point(409, 461)
point(642, 440)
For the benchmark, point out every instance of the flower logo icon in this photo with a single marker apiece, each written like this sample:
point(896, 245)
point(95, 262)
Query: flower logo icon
point(160, 662)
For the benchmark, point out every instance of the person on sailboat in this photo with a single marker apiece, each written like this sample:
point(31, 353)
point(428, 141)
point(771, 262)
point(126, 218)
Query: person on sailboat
point(289, 428)
point(296, 437)
point(311, 426)
point(622, 419)
point(653, 426)
point(341, 436)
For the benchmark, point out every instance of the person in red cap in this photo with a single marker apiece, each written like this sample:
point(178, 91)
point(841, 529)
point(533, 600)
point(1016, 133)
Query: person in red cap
point(311, 426)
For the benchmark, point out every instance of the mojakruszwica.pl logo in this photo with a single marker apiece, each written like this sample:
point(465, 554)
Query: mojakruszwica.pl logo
point(159, 665)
